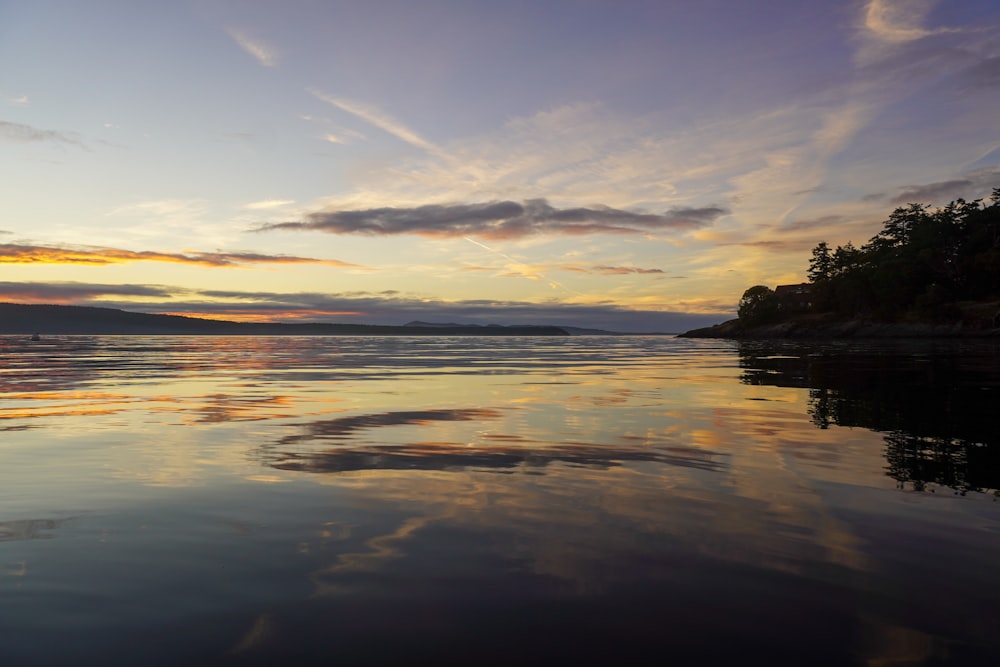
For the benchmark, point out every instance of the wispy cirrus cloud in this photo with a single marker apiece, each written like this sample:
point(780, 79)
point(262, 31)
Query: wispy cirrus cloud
point(13, 253)
point(896, 21)
point(268, 204)
point(899, 54)
point(821, 222)
point(21, 133)
point(379, 119)
point(500, 220)
point(896, 33)
point(265, 54)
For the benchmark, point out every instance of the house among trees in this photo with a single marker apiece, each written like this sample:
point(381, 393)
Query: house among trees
point(794, 297)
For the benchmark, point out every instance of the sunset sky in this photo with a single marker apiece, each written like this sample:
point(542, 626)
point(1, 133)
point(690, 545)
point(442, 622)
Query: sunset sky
point(629, 165)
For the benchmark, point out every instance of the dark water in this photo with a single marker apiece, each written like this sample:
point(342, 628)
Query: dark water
point(179, 501)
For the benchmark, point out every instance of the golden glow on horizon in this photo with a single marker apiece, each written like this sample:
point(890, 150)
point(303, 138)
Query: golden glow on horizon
point(265, 316)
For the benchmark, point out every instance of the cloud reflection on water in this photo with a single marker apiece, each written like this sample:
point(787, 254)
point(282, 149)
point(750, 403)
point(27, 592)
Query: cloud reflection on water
point(438, 491)
point(28, 529)
point(498, 452)
point(733, 496)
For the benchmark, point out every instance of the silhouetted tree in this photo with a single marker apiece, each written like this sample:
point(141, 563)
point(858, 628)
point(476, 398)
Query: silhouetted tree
point(931, 402)
point(821, 264)
point(922, 261)
point(758, 305)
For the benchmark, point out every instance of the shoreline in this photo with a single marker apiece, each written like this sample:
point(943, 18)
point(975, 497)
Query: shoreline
point(820, 329)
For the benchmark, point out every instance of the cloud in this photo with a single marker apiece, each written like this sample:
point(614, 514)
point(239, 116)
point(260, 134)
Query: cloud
point(76, 293)
point(267, 204)
point(264, 53)
point(896, 21)
point(932, 191)
point(822, 221)
point(497, 454)
point(623, 270)
point(379, 119)
point(19, 101)
point(984, 74)
point(13, 253)
point(346, 428)
point(791, 245)
point(168, 209)
point(894, 36)
point(972, 185)
point(500, 220)
point(612, 270)
point(20, 133)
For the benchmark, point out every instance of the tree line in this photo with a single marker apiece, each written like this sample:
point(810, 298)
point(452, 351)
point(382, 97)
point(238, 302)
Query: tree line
point(921, 265)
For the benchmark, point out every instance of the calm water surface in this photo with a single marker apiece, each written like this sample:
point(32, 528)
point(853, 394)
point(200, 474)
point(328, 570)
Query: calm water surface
point(180, 501)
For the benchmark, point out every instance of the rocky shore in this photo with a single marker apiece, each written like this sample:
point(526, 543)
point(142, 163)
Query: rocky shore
point(825, 328)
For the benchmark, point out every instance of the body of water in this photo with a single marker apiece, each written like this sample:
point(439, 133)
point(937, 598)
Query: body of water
point(328, 500)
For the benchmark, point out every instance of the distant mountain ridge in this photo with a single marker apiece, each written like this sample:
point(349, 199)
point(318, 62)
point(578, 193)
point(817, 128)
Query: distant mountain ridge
point(572, 331)
point(50, 319)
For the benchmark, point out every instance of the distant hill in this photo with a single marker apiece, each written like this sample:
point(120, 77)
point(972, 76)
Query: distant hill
point(572, 331)
point(61, 320)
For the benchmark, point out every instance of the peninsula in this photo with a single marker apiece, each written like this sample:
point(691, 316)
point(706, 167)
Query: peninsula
point(928, 273)
point(64, 320)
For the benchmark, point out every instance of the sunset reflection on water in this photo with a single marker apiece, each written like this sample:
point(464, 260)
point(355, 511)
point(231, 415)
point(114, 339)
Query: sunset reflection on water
point(240, 500)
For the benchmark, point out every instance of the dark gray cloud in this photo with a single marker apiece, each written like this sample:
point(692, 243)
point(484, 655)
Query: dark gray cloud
point(975, 184)
point(346, 428)
point(393, 309)
point(500, 220)
point(357, 449)
point(935, 192)
point(984, 74)
point(76, 293)
point(971, 185)
point(387, 307)
point(18, 132)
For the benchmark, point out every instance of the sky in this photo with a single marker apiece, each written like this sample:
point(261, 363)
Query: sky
point(631, 165)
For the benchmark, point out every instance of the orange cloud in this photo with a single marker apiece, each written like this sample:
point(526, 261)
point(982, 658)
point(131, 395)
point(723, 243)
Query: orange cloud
point(12, 253)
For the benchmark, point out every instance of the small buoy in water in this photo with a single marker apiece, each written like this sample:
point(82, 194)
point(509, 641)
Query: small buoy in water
point(35, 337)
